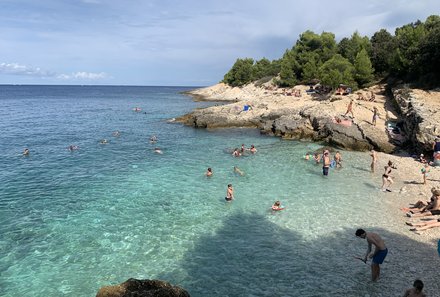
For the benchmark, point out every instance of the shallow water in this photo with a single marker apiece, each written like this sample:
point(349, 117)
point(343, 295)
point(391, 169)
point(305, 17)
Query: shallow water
point(72, 222)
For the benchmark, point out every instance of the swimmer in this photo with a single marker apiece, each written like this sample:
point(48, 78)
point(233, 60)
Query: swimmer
point(73, 147)
point(242, 148)
point(158, 151)
point(236, 153)
point(338, 159)
point(229, 193)
point(137, 109)
point(237, 170)
point(307, 157)
point(277, 205)
point(116, 134)
point(103, 141)
point(26, 152)
point(153, 139)
point(208, 172)
point(317, 158)
point(253, 150)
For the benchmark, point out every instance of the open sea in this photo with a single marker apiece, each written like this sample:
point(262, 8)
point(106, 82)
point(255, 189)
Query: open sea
point(74, 221)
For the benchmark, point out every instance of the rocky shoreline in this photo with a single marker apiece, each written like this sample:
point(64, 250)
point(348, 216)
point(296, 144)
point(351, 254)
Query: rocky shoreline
point(321, 118)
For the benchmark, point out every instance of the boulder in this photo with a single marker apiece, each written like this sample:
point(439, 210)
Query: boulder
point(421, 120)
point(142, 288)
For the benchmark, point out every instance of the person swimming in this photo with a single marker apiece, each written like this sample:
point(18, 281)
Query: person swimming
point(26, 152)
point(307, 157)
point(238, 171)
point(253, 150)
point(116, 134)
point(153, 139)
point(103, 141)
point(236, 153)
point(208, 172)
point(158, 151)
point(277, 206)
point(73, 147)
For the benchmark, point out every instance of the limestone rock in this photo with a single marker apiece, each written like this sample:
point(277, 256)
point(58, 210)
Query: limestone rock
point(142, 288)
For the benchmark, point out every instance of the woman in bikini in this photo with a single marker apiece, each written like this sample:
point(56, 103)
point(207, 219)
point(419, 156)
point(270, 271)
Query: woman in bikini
point(386, 177)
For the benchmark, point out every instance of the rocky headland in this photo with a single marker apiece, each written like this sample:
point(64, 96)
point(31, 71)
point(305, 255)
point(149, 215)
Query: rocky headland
point(407, 118)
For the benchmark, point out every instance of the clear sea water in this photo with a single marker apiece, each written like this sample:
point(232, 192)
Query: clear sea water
point(72, 222)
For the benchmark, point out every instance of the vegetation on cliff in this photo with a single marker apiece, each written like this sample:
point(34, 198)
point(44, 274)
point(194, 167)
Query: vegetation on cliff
point(412, 54)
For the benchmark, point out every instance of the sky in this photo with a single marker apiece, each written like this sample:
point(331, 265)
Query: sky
point(171, 42)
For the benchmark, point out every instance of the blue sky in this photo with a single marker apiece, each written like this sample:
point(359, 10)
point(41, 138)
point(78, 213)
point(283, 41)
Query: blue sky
point(164, 42)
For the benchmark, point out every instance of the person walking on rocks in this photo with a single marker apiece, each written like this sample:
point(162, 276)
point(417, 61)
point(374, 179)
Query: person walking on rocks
point(374, 115)
point(350, 109)
point(379, 254)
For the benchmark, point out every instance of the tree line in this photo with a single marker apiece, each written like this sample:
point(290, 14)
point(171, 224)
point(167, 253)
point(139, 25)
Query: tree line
point(412, 54)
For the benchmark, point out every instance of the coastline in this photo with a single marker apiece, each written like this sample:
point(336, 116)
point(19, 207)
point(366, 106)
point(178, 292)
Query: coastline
point(407, 187)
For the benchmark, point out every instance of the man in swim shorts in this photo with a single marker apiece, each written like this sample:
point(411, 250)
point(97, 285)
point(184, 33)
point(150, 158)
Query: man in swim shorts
point(379, 254)
point(326, 163)
point(229, 193)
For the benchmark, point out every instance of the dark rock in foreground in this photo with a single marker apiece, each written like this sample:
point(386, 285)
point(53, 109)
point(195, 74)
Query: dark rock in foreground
point(142, 288)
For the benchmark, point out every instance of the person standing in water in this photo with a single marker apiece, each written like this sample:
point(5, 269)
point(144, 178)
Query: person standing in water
point(229, 193)
point(326, 163)
point(338, 159)
point(208, 172)
point(373, 155)
point(379, 254)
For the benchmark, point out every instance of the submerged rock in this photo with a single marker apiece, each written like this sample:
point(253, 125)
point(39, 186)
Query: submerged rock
point(142, 288)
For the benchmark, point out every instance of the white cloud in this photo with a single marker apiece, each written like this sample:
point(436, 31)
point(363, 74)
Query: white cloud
point(17, 69)
point(26, 70)
point(81, 75)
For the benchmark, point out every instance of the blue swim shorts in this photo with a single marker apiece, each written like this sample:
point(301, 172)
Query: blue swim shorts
point(380, 256)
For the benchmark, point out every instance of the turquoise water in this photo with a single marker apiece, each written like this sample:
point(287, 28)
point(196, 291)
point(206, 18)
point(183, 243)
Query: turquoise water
point(71, 222)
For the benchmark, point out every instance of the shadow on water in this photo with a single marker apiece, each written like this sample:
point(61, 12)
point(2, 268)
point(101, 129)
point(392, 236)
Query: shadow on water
point(251, 256)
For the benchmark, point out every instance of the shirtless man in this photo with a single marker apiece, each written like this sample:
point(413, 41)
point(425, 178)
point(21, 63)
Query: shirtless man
point(373, 155)
point(416, 290)
point(379, 254)
point(326, 163)
point(229, 193)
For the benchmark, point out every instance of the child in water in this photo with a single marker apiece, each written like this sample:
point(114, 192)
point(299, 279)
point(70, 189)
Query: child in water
point(277, 205)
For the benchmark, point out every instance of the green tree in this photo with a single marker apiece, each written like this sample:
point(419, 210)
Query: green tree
point(363, 68)
point(408, 40)
point(240, 73)
point(428, 62)
point(287, 73)
point(350, 47)
point(338, 70)
point(383, 47)
point(261, 69)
